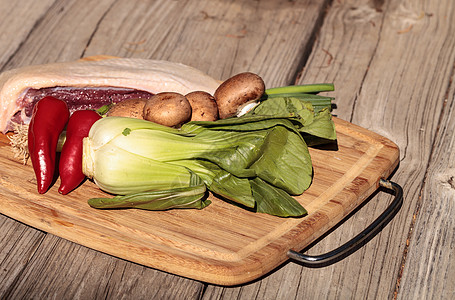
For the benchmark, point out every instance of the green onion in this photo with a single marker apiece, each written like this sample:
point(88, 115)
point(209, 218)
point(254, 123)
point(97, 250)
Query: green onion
point(304, 92)
point(299, 89)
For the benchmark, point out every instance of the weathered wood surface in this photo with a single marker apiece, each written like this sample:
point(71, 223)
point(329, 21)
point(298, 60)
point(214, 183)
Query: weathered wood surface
point(392, 63)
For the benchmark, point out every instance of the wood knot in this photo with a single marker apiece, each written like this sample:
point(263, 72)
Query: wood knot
point(451, 182)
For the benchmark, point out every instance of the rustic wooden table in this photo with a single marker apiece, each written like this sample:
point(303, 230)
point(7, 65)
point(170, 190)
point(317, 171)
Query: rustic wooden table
point(392, 63)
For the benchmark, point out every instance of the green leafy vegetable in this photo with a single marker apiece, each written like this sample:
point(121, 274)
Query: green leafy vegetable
point(274, 201)
point(186, 197)
point(257, 160)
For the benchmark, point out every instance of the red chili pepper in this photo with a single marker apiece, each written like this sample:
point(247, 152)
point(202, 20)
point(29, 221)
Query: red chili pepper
point(70, 166)
point(49, 118)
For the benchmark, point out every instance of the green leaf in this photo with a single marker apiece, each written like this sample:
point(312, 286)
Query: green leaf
point(242, 149)
point(233, 188)
point(285, 161)
point(221, 182)
point(274, 201)
point(188, 197)
point(322, 126)
point(294, 107)
point(308, 122)
point(318, 102)
point(246, 123)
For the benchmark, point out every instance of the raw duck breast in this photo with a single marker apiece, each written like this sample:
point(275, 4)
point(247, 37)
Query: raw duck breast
point(106, 80)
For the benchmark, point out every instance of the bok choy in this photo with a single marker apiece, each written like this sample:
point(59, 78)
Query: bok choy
point(258, 161)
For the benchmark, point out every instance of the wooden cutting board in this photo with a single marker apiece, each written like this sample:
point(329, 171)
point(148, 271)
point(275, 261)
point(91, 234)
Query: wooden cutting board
point(221, 244)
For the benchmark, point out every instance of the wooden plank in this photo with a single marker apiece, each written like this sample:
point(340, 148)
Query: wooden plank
point(76, 271)
point(430, 264)
point(221, 39)
point(17, 22)
point(411, 105)
point(337, 281)
point(396, 112)
point(17, 245)
point(54, 39)
point(343, 50)
point(380, 55)
point(62, 33)
point(299, 27)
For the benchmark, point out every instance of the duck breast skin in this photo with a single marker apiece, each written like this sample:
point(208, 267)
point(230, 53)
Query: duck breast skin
point(93, 83)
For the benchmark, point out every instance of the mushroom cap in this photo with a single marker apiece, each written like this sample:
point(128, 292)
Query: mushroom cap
point(167, 108)
point(203, 105)
point(131, 108)
point(236, 91)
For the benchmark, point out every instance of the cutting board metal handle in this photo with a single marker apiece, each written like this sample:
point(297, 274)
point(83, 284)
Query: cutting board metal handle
point(359, 240)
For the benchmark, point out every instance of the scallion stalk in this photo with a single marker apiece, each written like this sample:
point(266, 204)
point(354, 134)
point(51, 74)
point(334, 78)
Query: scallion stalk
point(299, 89)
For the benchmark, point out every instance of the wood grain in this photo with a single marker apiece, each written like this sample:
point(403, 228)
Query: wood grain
point(392, 65)
point(52, 40)
point(95, 273)
point(194, 243)
point(381, 56)
point(430, 263)
point(221, 38)
point(389, 54)
point(11, 40)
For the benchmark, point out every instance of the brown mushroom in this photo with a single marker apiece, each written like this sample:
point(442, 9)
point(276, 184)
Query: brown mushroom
point(131, 108)
point(203, 105)
point(236, 91)
point(167, 108)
